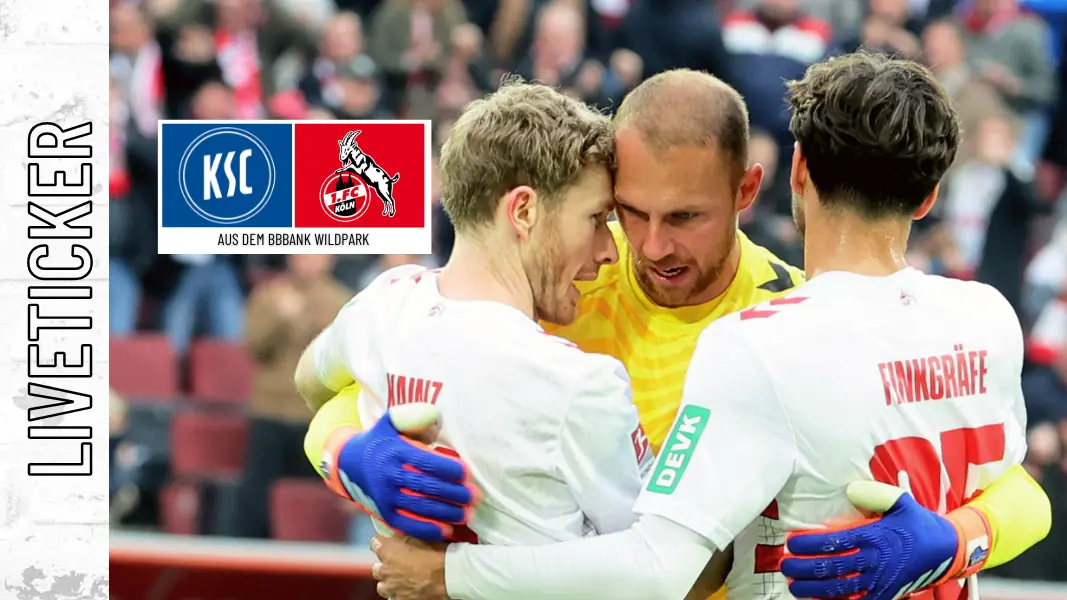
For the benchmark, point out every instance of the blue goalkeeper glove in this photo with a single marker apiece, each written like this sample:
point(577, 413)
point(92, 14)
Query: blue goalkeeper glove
point(412, 488)
point(907, 549)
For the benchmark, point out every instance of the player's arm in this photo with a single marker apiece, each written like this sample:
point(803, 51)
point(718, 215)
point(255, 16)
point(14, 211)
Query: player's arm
point(701, 494)
point(326, 365)
point(1018, 512)
point(338, 417)
point(1015, 507)
point(322, 371)
point(411, 488)
point(603, 451)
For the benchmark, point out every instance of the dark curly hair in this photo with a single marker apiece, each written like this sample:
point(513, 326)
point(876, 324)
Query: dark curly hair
point(877, 132)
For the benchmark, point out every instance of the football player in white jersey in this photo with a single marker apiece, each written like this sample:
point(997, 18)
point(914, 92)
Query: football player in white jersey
point(870, 371)
point(546, 429)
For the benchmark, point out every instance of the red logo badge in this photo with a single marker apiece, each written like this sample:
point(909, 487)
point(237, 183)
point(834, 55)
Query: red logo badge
point(362, 174)
point(640, 440)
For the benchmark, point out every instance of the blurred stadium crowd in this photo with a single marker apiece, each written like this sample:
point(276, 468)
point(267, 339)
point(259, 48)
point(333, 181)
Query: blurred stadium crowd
point(206, 428)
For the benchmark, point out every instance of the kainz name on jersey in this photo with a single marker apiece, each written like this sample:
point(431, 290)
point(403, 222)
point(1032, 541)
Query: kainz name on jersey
point(345, 194)
point(227, 175)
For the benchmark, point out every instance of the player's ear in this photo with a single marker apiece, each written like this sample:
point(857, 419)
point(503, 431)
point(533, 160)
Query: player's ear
point(520, 206)
point(798, 172)
point(749, 188)
point(928, 204)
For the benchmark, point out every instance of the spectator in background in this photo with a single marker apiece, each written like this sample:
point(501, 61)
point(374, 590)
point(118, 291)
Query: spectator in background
point(1045, 392)
point(363, 8)
point(934, 251)
point(1045, 384)
point(136, 65)
point(887, 27)
point(248, 38)
point(134, 470)
point(1046, 276)
point(670, 34)
point(468, 73)
point(361, 94)
point(1051, 171)
point(207, 295)
point(770, 45)
point(610, 13)
point(409, 41)
point(769, 222)
point(1010, 50)
point(118, 423)
point(283, 316)
point(976, 99)
point(843, 16)
point(125, 290)
point(312, 15)
point(342, 43)
point(989, 207)
point(558, 50)
point(188, 62)
point(559, 56)
point(137, 102)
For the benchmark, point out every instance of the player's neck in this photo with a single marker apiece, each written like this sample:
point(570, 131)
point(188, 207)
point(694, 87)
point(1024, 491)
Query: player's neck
point(477, 271)
point(846, 242)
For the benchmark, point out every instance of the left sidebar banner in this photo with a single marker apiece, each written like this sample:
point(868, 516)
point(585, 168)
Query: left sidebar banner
point(54, 265)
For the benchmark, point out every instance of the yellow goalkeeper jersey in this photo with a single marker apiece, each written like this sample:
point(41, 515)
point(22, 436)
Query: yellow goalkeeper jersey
point(615, 317)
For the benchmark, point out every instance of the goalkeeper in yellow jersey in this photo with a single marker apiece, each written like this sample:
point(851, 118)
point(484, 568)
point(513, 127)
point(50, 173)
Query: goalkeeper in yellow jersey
point(682, 179)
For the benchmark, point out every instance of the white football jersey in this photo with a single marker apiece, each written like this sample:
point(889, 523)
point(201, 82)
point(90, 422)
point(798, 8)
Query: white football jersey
point(547, 430)
point(911, 379)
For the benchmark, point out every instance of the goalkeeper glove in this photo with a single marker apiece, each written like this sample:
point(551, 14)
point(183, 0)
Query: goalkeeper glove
point(412, 488)
point(906, 549)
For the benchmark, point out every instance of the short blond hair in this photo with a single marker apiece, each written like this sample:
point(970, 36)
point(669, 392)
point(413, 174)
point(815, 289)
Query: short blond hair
point(522, 134)
point(687, 108)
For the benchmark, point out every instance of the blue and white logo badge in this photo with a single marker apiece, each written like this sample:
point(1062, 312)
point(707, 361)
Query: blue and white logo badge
point(231, 174)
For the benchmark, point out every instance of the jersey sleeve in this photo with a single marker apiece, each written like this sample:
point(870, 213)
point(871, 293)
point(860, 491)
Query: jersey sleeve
point(346, 341)
point(1010, 338)
point(731, 449)
point(603, 449)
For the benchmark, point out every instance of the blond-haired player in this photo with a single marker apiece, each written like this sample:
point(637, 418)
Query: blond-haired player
point(545, 428)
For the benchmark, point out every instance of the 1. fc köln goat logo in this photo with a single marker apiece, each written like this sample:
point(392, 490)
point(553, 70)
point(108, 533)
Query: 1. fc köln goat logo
point(374, 177)
point(344, 194)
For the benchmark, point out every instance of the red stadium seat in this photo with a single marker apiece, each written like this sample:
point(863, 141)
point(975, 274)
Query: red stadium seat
point(180, 508)
point(304, 510)
point(207, 445)
point(144, 366)
point(220, 371)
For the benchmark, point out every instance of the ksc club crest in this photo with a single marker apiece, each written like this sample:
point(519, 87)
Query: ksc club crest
point(348, 193)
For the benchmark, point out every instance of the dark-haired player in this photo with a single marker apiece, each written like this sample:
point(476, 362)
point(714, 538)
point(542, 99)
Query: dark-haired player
point(870, 371)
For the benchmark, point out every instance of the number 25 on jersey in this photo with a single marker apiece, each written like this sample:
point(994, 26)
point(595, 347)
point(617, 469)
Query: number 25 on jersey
point(913, 463)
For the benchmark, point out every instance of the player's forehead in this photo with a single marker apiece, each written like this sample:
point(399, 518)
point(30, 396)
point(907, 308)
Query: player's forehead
point(681, 179)
point(593, 189)
point(685, 180)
